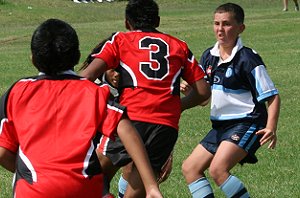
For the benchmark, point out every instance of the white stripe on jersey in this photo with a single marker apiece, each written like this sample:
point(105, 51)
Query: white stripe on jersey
point(174, 80)
point(229, 104)
point(28, 165)
point(131, 73)
point(114, 108)
point(87, 159)
point(2, 123)
point(264, 85)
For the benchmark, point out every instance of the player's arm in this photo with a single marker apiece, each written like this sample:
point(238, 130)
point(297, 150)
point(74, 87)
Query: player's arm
point(95, 69)
point(269, 133)
point(7, 159)
point(136, 149)
point(198, 94)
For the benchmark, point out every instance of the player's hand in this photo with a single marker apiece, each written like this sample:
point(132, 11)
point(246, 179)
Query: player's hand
point(165, 170)
point(268, 136)
point(185, 88)
point(154, 193)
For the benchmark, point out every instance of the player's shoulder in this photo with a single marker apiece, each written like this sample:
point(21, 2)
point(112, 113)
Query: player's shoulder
point(248, 54)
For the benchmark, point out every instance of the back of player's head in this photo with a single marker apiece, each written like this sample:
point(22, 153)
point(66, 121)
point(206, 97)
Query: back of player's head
point(238, 12)
point(54, 47)
point(142, 13)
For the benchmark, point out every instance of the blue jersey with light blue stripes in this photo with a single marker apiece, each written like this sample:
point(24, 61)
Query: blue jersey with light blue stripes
point(240, 84)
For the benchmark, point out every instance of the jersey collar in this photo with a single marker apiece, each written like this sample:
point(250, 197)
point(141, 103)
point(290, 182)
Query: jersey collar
point(215, 51)
point(69, 72)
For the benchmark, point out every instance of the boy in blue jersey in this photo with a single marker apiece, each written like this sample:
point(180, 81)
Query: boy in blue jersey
point(241, 123)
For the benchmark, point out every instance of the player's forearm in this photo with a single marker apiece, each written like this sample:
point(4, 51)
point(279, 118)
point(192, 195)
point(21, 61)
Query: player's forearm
point(199, 95)
point(273, 112)
point(7, 159)
point(95, 69)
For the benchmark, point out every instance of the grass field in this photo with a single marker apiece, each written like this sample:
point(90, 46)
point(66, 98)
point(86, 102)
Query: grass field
point(274, 34)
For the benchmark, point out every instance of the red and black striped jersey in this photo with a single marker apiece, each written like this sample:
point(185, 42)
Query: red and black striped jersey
point(55, 124)
point(151, 64)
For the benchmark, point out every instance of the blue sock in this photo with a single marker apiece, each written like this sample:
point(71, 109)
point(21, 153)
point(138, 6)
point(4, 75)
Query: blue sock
point(233, 187)
point(201, 188)
point(122, 187)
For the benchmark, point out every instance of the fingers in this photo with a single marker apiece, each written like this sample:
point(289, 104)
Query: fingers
point(267, 136)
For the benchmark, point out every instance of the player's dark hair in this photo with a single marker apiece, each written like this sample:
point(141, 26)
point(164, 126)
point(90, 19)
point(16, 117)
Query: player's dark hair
point(142, 13)
point(237, 11)
point(54, 47)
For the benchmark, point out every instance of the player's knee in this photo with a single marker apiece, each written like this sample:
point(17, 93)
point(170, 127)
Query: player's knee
point(217, 173)
point(186, 168)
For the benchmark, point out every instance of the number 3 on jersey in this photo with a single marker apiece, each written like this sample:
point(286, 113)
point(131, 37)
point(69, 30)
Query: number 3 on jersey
point(158, 56)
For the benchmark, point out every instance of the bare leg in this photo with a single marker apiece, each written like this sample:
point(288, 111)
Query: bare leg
point(227, 156)
point(109, 170)
point(285, 5)
point(135, 186)
point(194, 166)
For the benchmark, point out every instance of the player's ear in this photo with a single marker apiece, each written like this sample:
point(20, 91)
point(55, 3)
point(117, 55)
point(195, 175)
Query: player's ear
point(242, 28)
point(128, 25)
point(157, 22)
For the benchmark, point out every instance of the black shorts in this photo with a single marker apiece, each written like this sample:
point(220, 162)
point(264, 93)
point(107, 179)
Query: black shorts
point(239, 133)
point(159, 141)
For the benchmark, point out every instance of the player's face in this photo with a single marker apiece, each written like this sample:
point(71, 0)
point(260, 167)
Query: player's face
point(113, 77)
point(226, 29)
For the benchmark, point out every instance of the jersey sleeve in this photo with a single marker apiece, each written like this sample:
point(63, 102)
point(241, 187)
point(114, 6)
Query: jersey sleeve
point(109, 52)
point(8, 137)
point(114, 113)
point(192, 72)
point(258, 77)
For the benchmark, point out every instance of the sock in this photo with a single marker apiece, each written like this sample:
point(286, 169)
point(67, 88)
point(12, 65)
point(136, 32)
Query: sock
point(201, 188)
point(122, 187)
point(234, 188)
point(106, 185)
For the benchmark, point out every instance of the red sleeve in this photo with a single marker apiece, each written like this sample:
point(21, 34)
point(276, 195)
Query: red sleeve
point(192, 72)
point(8, 137)
point(110, 53)
point(114, 114)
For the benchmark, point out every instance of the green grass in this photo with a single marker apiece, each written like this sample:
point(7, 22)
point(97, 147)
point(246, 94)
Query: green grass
point(274, 34)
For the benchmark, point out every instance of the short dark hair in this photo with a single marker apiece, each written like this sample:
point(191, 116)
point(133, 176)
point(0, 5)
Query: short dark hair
point(54, 47)
point(142, 13)
point(237, 11)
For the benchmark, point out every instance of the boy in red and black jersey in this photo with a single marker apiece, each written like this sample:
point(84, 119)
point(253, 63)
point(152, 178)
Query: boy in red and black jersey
point(151, 64)
point(51, 124)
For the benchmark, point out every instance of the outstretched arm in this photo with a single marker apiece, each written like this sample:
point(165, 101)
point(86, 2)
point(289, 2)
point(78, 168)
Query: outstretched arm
point(95, 69)
point(7, 159)
point(136, 149)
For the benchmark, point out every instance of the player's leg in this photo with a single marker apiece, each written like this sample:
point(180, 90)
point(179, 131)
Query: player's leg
point(285, 5)
point(227, 156)
point(239, 143)
point(123, 180)
point(296, 5)
point(159, 142)
point(112, 155)
point(109, 171)
point(193, 171)
point(135, 187)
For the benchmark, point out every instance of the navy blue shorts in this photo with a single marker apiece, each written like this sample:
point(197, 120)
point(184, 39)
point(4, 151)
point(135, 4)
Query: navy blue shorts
point(159, 141)
point(240, 133)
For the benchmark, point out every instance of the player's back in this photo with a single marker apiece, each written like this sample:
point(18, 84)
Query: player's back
point(53, 125)
point(151, 64)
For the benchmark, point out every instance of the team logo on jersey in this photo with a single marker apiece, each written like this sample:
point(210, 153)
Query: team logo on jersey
point(235, 137)
point(208, 70)
point(217, 79)
point(229, 72)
